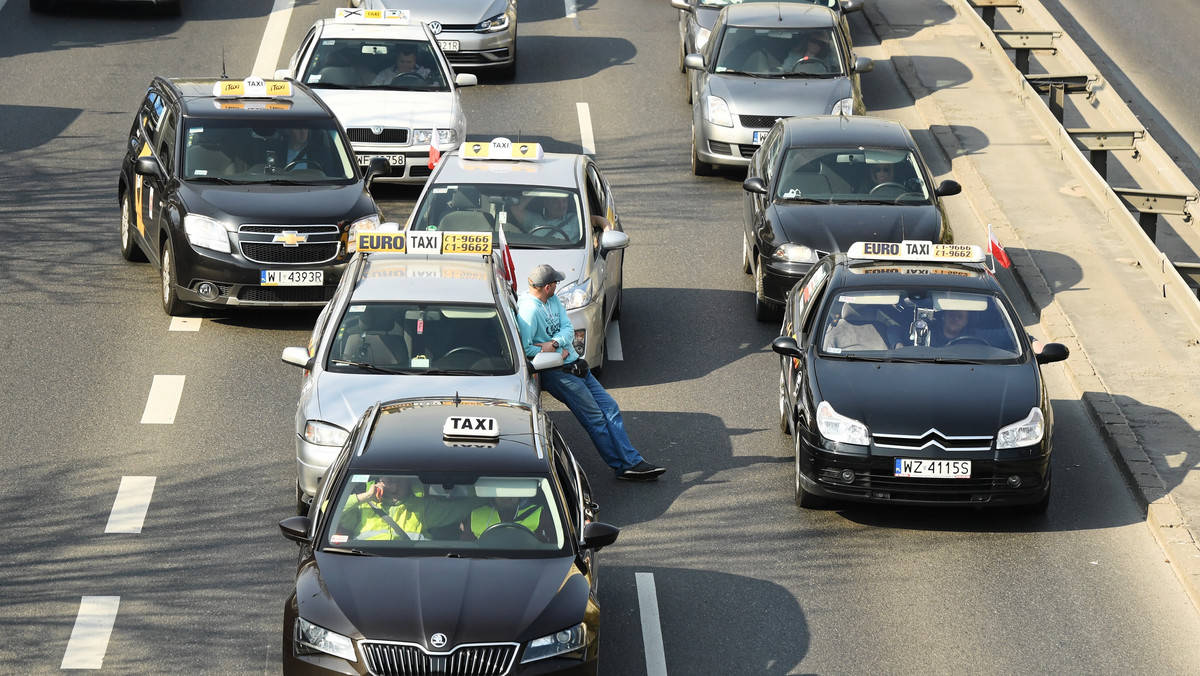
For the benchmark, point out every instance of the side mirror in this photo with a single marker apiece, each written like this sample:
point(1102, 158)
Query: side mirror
point(466, 79)
point(148, 166)
point(947, 188)
point(297, 356)
point(1052, 352)
point(693, 62)
point(755, 184)
point(597, 535)
point(295, 528)
point(852, 6)
point(613, 239)
point(378, 167)
point(547, 360)
point(283, 74)
point(683, 5)
point(863, 65)
point(786, 346)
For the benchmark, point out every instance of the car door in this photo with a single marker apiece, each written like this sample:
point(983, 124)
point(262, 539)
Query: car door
point(577, 499)
point(800, 323)
point(153, 192)
point(764, 164)
point(141, 144)
point(608, 265)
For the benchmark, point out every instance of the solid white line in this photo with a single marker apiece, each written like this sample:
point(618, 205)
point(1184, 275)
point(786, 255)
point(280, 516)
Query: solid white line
point(163, 402)
point(185, 323)
point(585, 129)
point(656, 659)
point(272, 42)
point(89, 638)
point(612, 343)
point(129, 509)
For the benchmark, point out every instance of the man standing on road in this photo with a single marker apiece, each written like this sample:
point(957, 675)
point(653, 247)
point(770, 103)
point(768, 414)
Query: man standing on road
point(545, 327)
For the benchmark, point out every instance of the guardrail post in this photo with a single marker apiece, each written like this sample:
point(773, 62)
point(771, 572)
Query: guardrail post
point(987, 9)
point(1150, 203)
point(1099, 142)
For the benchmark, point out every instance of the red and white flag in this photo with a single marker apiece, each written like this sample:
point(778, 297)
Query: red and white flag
point(510, 270)
point(435, 153)
point(996, 250)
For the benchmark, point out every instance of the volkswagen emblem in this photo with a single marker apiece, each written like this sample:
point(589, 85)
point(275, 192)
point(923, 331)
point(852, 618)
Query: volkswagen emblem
point(435, 27)
point(438, 640)
point(377, 130)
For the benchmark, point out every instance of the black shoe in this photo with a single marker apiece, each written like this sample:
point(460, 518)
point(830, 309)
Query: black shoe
point(643, 471)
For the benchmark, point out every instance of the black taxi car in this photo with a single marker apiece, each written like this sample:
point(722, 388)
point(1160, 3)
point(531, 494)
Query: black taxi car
point(241, 192)
point(452, 535)
point(906, 377)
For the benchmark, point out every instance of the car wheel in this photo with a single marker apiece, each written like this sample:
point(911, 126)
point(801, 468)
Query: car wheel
point(687, 85)
point(699, 168)
point(747, 263)
point(804, 499)
point(129, 248)
point(598, 369)
point(170, 297)
point(785, 413)
point(301, 504)
point(355, 3)
point(617, 305)
point(763, 310)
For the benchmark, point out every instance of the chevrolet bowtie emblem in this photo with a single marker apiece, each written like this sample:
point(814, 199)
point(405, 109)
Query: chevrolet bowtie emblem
point(290, 238)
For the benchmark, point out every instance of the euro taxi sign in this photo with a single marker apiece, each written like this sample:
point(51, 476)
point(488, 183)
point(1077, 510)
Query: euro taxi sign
point(425, 242)
point(252, 87)
point(916, 250)
point(372, 16)
point(501, 149)
point(470, 427)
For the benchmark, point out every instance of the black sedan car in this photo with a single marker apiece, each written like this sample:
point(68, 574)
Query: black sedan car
point(906, 377)
point(451, 536)
point(818, 184)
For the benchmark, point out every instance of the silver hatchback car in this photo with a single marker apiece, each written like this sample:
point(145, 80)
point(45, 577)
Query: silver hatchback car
point(472, 33)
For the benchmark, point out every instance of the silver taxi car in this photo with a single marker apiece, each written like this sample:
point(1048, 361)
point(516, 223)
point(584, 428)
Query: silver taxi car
point(553, 208)
point(389, 85)
point(473, 33)
point(406, 324)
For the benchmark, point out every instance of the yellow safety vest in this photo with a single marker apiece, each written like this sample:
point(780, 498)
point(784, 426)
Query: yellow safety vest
point(529, 516)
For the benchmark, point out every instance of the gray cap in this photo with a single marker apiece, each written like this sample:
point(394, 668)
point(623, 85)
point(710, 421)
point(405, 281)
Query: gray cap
point(544, 274)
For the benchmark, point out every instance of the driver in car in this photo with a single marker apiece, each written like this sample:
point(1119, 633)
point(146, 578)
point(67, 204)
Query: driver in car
point(556, 217)
point(508, 510)
point(406, 64)
point(879, 175)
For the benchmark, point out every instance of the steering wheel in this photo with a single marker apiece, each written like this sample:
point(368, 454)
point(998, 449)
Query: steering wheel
point(300, 160)
point(507, 525)
point(968, 339)
point(466, 349)
point(889, 184)
point(410, 75)
point(810, 65)
point(554, 230)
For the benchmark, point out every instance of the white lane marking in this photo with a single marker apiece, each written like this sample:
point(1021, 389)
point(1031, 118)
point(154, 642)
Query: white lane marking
point(272, 42)
point(656, 659)
point(185, 323)
point(612, 342)
point(129, 509)
point(163, 402)
point(89, 638)
point(585, 129)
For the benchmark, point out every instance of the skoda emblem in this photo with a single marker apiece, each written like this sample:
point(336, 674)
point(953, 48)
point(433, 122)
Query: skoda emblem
point(435, 27)
point(438, 640)
point(377, 130)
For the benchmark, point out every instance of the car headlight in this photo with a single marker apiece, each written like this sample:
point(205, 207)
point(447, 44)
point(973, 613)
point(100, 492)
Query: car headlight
point(493, 25)
point(1024, 433)
point(576, 295)
point(565, 641)
point(717, 112)
point(324, 434)
point(364, 224)
point(794, 253)
point(312, 639)
point(446, 137)
point(206, 233)
point(702, 36)
point(843, 107)
point(837, 427)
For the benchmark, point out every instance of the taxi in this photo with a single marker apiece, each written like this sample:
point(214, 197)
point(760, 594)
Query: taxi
point(455, 535)
point(240, 193)
point(414, 315)
point(550, 208)
point(906, 378)
point(393, 111)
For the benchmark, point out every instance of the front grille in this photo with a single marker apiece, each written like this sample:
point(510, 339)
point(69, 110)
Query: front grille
point(415, 170)
point(917, 442)
point(287, 294)
point(402, 659)
point(747, 150)
point(278, 253)
point(258, 244)
point(365, 135)
point(757, 121)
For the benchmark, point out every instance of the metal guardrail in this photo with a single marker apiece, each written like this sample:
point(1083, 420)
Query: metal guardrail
point(1048, 66)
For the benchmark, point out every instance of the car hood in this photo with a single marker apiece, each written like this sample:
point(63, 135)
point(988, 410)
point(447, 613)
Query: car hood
point(835, 227)
point(366, 108)
point(469, 600)
point(278, 204)
point(450, 12)
point(342, 397)
point(570, 262)
point(779, 97)
point(955, 399)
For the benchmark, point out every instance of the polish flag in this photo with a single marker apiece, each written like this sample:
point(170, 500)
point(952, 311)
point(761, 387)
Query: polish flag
point(510, 270)
point(434, 153)
point(996, 251)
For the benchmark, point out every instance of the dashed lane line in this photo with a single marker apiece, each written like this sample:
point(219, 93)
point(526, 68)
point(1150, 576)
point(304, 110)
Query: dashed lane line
point(163, 402)
point(656, 660)
point(130, 507)
point(89, 637)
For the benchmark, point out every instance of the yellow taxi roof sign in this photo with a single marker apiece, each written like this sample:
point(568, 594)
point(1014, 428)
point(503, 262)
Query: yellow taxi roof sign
point(916, 250)
point(414, 242)
point(372, 16)
point(501, 149)
point(252, 87)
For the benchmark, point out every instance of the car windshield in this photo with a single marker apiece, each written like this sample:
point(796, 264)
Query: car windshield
point(832, 4)
point(408, 65)
point(854, 174)
point(920, 324)
point(422, 339)
point(532, 217)
point(399, 514)
point(775, 52)
point(246, 151)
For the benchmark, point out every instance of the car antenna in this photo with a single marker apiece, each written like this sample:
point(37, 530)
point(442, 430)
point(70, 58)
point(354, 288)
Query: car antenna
point(457, 399)
point(223, 75)
point(779, 11)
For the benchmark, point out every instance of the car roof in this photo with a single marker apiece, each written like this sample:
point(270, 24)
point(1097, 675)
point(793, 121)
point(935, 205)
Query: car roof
point(426, 278)
point(557, 170)
point(778, 15)
point(838, 130)
point(849, 274)
point(408, 436)
point(332, 28)
point(197, 100)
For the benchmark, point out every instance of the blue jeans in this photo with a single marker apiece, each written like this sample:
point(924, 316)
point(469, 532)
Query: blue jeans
point(597, 411)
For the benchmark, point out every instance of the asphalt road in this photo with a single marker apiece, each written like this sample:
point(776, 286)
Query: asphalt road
point(743, 582)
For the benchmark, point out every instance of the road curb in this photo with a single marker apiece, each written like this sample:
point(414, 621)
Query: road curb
point(1163, 516)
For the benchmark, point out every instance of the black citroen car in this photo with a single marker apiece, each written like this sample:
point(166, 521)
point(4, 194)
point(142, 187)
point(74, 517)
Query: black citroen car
point(906, 377)
point(241, 192)
point(818, 184)
point(451, 536)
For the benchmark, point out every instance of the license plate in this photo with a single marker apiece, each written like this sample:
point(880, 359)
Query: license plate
point(933, 469)
point(394, 160)
point(448, 45)
point(759, 136)
point(292, 277)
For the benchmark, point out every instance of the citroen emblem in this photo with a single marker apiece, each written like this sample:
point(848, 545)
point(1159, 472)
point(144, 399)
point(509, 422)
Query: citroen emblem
point(290, 238)
point(435, 27)
point(377, 130)
point(438, 640)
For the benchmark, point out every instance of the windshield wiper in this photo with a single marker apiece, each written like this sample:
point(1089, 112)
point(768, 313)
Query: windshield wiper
point(853, 356)
point(956, 360)
point(351, 552)
point(215, 179)
point(285, 181)
point(370, 367)
point(804, 200)
point(448, 372)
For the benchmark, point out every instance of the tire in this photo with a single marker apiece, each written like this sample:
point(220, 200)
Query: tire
point(301, 505)
point(354, 3)
point(129, 248)
point(804, 499)
point(764, 311)
point(747, 262)
point(785, 413)
point(617, 309)
point(170, 297)
point(687, 85)
point(699, 168)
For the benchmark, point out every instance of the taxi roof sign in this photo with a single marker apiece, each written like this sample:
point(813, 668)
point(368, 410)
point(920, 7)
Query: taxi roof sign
point(372, 16)
point(916, 250)
point(471, 427)
point(501, 148)
point(252, 87)
point(437, 242)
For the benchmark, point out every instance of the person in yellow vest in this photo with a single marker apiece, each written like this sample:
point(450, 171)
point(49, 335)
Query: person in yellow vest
point(524, 512)
point(387, 510)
